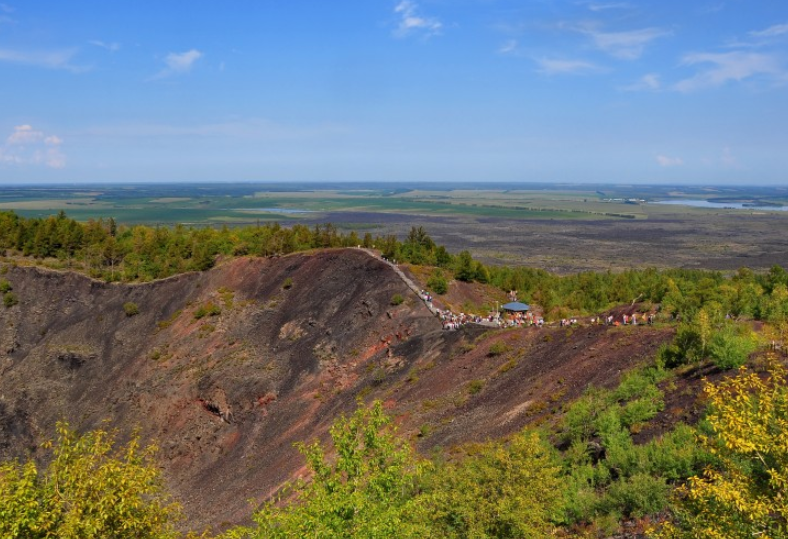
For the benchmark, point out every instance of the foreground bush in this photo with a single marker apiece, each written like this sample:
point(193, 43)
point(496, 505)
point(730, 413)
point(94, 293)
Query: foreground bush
point(91, 489)
point(744, 495)
point(375, 487)
point(501, 491)
point(363, 493)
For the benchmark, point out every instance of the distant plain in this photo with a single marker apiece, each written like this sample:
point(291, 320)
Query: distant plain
point(561, 228)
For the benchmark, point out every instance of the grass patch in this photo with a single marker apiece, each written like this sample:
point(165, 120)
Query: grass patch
point(497, 349)
point(131, 308)
point(208, 309)
point(475, 386)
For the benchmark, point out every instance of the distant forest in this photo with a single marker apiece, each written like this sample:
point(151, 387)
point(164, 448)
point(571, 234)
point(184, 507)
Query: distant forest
point(105, 250)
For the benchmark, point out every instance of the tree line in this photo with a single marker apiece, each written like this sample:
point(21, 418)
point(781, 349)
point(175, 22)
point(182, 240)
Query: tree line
point(113, 252)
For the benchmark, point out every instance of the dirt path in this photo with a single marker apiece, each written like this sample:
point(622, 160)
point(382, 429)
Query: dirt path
point(404, 278)
point(409, 282)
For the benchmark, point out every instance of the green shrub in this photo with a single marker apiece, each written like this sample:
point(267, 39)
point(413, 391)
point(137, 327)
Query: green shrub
point(364, 492)
point(474, 386)
point(503, 491)
point(730, 349)
point(639, 383)
point(10, 299)
point(438, 283)
point(640, 410)
point(498, 348)
point(209, 309)
point(676, 455)
point(397, 299)
point(506, 367)
point(637, 496)
point(5, 286)
point(580, 419)
point(287, 284)
point(90, 488)
point(131, 308)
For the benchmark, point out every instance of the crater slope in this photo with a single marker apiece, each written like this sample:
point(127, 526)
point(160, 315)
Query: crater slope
point(227, 369)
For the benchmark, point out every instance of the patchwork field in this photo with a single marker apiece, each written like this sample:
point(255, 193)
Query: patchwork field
point(563, 228)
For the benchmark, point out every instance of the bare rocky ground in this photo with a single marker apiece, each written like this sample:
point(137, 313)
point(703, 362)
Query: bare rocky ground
point(714, 241)
point(298, 340)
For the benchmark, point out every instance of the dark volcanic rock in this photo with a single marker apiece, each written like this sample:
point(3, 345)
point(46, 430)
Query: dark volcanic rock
point(226, 395)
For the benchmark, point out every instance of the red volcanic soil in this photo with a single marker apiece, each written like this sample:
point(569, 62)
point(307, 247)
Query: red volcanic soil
point(289, 345)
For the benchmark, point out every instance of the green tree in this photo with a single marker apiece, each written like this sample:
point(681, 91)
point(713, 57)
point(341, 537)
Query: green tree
point(362, 493)
point(744, 495)
point(91, 489)
point(437, 282)
point(466, 269)
point(502, 491)
point(730, 347)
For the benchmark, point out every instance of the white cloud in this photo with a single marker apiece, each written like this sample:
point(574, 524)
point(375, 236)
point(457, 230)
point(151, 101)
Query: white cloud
point(508, 47)
point(24, 134)
point(710, 9)
point(179, 63)
point(182, 62)
point(760, 38)
point(648, 82)
point(551, 66)
point(29, 146)
point(410, 22)
point(729, 66)
point(772, 31)
point(625, 45)
point(55, 59)
point(610, 5)
point(5, 12)
point(665, 161)
point(111, 47)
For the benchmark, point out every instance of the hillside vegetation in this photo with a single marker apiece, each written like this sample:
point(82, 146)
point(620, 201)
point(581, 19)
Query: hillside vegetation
point(105, 250)
point(403, 429)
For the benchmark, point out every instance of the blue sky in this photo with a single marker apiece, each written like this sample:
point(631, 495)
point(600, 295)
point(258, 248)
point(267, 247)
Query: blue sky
point(376, 90)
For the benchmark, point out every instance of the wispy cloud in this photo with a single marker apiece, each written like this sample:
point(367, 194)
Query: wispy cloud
point(53, 59)
point(759, 39)
point(722, 68)
point(710, 9)
point(627, 45)
point(111, 47)
point(648, 82)
point(508, 47)
point(5, 12)
point(553, 66)
point(29, 146)
point(665, 161)
point(772, 31)
point(411, 22)
point(178, 63)
point(593, 6)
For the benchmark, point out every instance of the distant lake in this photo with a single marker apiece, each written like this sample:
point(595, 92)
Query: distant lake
point(719, 205)
point(286, 211)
